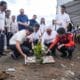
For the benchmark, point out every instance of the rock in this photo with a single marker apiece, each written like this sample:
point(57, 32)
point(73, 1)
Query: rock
point(53, 79)
point(63, 66)
point(3, 75)
point(63, 78)
point(69, 73)
point(11, 70)
point(78, 57)
point(72, 64)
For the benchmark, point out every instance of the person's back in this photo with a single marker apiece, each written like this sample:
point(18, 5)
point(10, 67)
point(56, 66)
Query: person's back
point(67, 39)
point(20, 36)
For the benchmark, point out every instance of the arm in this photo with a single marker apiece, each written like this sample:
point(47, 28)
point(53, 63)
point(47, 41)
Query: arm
point(26, 21)
point(67, 20)
point(54, 42)
point(22, 23)
point(71, 42)
point(19, 48)
point(18, 20)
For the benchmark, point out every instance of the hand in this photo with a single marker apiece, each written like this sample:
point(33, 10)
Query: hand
point(20, 23)
point(25, 24)
point(32, 47)
point(30, 40)
point(60, 46)
point(47, 51)
point(25, 56)
point(30, 51)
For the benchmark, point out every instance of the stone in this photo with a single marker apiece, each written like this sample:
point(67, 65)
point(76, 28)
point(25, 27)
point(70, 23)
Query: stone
point(63, 66)
point(69, 73)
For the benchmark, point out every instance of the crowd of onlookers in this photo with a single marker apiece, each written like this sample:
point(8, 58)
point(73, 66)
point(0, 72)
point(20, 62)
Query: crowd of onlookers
point(22, 33)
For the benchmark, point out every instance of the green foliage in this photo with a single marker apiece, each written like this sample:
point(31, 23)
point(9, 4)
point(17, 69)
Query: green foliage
point(78, 35)
point(38, 51)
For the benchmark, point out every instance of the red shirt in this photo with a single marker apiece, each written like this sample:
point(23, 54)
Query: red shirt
point(66, 39)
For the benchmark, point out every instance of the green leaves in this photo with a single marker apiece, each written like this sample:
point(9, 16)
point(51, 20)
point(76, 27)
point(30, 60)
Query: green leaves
point(38, 51)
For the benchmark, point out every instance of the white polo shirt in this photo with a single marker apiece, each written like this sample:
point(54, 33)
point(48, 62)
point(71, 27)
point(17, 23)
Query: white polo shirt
point(8, 23)
point(34, 35)
point(48, 37)
point(14, 27)
point(2, 20)
point(19, 36)
point(42, 28)
point(62, 20)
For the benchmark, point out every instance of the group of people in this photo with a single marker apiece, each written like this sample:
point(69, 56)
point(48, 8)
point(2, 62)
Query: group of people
point(22, 34)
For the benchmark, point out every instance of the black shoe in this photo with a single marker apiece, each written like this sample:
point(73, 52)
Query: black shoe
point(0, 55)
point(3, 54)
point(70, 57)
point(64, 56)
point(13, 57)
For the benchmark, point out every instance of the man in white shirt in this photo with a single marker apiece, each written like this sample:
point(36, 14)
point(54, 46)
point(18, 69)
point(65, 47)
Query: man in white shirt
point(7, 20)
point(53, 25)
point(3, 6)
point(48, 37)
point(14, 24)
point(8, 27)
point(16, 43)
point(62, 19)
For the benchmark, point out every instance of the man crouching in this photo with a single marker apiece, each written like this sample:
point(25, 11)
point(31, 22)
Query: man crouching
point(64, 42)
point(17, 43)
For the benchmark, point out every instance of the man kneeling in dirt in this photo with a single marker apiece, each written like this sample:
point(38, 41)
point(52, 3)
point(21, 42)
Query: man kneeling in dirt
point(64, 43)
point(17, 44)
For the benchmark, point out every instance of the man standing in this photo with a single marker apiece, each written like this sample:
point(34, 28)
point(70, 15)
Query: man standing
point(33, 21)
point(3, 6)
point(8, 26)
point(62, 19)
point(22, 20)
point(14, 25)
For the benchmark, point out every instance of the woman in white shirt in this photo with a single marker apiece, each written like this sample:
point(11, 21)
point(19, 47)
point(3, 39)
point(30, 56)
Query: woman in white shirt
point(42, 25)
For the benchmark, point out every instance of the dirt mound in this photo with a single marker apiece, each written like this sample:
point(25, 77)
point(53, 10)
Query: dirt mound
point(3, 75)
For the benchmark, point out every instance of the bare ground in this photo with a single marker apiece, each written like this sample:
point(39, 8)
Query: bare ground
point(63, 69)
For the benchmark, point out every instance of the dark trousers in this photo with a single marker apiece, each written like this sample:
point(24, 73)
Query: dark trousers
point(1, 42)
point(8, 36)
point(25, 48)
point(53, 50)
point(35, 41)
point(66, 51)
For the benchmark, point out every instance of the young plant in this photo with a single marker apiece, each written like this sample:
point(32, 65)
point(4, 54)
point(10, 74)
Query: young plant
point(38, 52)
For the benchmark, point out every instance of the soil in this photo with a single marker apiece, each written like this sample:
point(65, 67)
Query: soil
point(62, 69)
